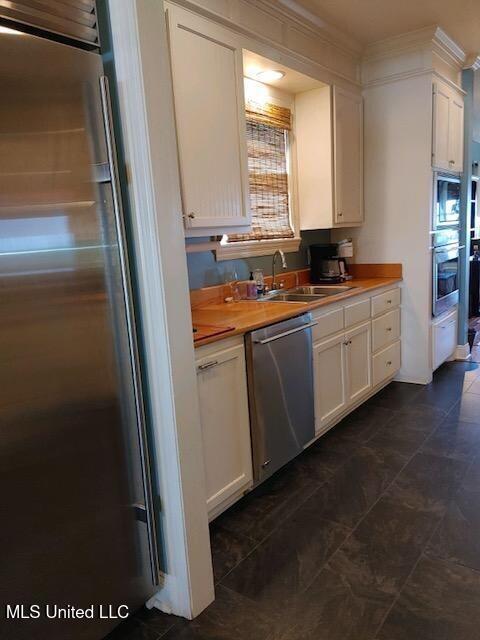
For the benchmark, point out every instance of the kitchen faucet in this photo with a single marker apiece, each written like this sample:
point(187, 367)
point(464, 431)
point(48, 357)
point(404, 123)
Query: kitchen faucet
point(279, 252)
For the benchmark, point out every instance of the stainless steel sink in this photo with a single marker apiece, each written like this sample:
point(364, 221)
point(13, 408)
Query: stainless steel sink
point(308, 293)
point(321, 290)
point(293, 297)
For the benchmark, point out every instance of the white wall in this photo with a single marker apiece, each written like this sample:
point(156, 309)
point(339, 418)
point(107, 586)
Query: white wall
point(398, 186)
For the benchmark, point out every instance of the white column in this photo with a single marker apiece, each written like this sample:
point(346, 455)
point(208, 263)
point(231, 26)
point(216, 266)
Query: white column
point(145, 97)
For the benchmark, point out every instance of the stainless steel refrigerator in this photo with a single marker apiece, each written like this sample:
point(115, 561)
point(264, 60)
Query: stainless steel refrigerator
point(77, 524)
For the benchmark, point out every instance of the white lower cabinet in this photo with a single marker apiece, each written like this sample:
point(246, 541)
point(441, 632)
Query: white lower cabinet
point(356, 350)
point(444, 337)
point(223, 399)
point(342, 373)
point(347, 370)
point(386, 363)
point(358, 356)
point(329, 380)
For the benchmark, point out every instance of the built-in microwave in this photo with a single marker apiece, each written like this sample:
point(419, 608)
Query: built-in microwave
point(446, 201)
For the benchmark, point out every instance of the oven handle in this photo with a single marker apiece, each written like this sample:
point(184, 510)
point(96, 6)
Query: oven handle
point(442, 254)
point(286, 333)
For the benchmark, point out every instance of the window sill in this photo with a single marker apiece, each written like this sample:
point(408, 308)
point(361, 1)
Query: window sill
point(251, 248)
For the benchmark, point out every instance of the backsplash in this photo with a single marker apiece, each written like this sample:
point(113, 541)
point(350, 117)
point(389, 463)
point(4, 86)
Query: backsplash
point(204, 271)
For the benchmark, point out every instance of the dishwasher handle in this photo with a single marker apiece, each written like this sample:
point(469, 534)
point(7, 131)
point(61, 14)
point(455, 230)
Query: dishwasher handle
point(286, 333)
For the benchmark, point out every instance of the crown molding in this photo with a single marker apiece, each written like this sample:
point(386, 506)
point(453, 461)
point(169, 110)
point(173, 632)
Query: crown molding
point(296, 12)
point(428, 36)
point(322, 45)
point(472, 62)
point(449, 45)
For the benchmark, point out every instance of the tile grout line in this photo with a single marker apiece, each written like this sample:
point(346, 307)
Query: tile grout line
point(397, 596)
point(382, 495)
point(352, 529)
point(291, 513)
point(260, 542)
point(422, 552)
point(420, 557)
point(451, 562)
point(407, 405)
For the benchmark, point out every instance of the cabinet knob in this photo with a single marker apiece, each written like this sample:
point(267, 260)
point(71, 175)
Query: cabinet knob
point(389, 302)
point(451, 161)
point(340, 214)
point(191, 215)
point(389, 363)
point(389, 328)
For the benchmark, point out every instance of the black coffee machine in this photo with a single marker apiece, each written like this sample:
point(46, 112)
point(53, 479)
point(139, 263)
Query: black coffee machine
point(325, 265)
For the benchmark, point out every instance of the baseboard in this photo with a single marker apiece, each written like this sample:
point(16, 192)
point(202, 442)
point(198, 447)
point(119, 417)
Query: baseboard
point(410, 380)
point(462, 352)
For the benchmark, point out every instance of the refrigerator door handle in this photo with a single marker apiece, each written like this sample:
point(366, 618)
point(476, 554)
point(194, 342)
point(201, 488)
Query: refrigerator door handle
point(133, 346)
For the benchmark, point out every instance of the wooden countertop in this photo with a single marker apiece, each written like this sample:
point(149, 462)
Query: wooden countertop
point(246, 315)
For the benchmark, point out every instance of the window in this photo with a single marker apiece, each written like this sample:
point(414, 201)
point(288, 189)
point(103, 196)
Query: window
point(268, 130)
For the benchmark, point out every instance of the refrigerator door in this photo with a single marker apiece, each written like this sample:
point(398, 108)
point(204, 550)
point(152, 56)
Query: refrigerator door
point(75, 505)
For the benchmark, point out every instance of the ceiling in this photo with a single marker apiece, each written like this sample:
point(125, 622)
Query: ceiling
point(369, 20)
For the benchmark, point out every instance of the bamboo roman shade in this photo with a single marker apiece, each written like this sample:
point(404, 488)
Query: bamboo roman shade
point(269, 114)
point(267, 138)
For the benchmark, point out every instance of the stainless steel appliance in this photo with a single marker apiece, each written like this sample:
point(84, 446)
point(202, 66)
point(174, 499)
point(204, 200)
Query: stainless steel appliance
point(445, 277)
point(78, 526)
point(280, 390)
point(445, 243)
point(446, 211)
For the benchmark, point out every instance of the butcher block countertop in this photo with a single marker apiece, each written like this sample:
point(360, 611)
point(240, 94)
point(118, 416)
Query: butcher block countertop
point(235, 318)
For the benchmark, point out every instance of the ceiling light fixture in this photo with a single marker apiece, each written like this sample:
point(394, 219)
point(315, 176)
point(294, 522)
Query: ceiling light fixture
point(269, 75)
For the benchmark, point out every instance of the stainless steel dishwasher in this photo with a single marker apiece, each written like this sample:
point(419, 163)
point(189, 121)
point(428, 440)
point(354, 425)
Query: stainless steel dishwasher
point(280, 392)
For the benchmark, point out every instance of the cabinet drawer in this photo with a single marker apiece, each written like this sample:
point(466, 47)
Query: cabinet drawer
point(385, 301)
point(386, 329)
point(328, 323)
point(386, 363)
point(444, 339)
point(357, 312)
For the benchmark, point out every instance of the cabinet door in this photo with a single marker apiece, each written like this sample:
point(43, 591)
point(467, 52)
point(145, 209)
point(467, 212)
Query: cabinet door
point(358, 356)
point(222, 389)
point(207, 80)
point(441, 109)
point(329, 380)
point(455, 134)
point(348, 156)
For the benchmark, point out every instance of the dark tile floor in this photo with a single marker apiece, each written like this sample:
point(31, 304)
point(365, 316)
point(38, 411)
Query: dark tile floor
point(372, 533)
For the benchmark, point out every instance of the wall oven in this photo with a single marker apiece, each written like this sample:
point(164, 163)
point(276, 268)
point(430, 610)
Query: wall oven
point(445, 277)
point(446, 204)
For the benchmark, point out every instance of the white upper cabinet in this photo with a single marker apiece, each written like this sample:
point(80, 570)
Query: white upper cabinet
point(455, 133)
point(207, 78)
point(448, 122)
point(329, 141)
point(348, 156)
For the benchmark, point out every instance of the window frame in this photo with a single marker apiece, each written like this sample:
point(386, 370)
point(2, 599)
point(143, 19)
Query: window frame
point(250, 248)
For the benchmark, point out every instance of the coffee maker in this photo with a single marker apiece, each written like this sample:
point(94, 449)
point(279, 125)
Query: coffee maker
point(326, 266)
